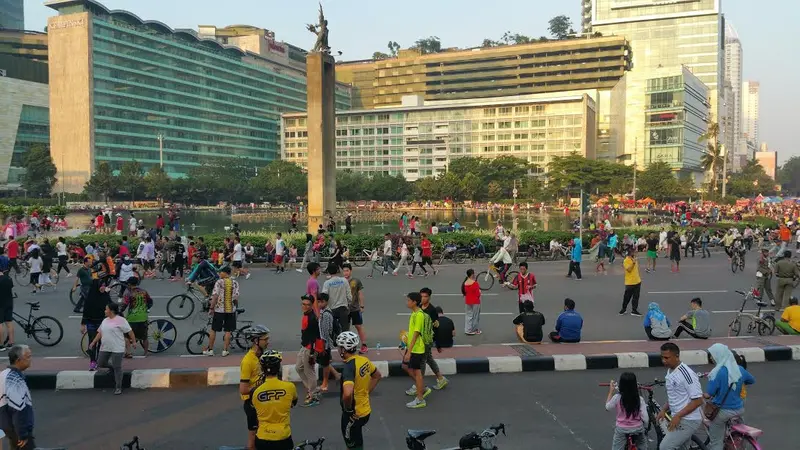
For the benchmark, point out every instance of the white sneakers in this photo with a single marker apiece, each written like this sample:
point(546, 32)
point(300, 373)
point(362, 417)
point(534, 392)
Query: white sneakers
point(211, 353)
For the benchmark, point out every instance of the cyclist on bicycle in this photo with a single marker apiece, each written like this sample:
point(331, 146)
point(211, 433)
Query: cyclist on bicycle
point(203, 275)
point(359, 378)
point(270, 405)
point(631, 409)
point(250, 374)
point(502, 261)
point(684, 398)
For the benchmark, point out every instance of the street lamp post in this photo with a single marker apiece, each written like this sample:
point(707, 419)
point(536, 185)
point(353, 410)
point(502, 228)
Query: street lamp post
point(160, 138)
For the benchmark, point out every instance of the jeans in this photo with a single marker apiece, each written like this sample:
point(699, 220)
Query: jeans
point(716, 429)
point(704, 250)
point(689, 246)
point(91, 331)
point(620, 438)
point(682, 436)
point(115, 366)
point(403, 262)
point(472, 318)
point(388, 264)
point(428, 360)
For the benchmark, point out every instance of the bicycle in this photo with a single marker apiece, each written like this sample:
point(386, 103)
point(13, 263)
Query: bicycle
point(764, 323)
point(196, 341)
point(737, 261)
point(458, 255)
point(560, 252)
point(161, 335)
point(181, 306)
point(23, 273)
point(313, 445)
point(114, 288)
point(486, 278)
point(362, 258)
point(46, 330)
point(415, 439)
point(738, 435)
point(130, 445)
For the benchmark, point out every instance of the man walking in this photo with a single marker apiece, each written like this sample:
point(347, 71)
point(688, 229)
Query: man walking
point(652, 252)
point(633, 284)
point(311, 345)
point(414, 356)
point(340, 296)
point(428, 340)
point(764, 282)
point(388, 264)
point(684, 397)
point(575, 259)
point(427, 253)
point(348, 225)
point(138, 302)
point(786, 272)
point(84, 280)
point(16, 406)
point(356, 305)
point(6, 310)
point(224, 300)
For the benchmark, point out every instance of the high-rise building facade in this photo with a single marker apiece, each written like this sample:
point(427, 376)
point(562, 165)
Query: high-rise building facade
point(120, 86)
point(662, 34)
point(24, 44)
point(12, 14)
point(769, 161)
point(750, 108)
point(24, 123)
point(733, 78)
point(419, 138)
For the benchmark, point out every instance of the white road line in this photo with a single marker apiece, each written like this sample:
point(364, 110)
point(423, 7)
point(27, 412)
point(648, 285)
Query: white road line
point(63, 357)
point(461, 314)
point(734, 311)
point(191, 356)
point(687, 292)
point(149, 317)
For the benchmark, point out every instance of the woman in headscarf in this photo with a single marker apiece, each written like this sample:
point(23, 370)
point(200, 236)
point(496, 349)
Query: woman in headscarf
point(724, 389)
point(94, 309)
point(656, 323)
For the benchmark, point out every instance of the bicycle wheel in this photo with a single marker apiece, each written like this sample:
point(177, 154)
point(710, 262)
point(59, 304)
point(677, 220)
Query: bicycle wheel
point(459, 256)
point(766, 326)
point(698, 444)
point(23, 277)
point(360, 260)
point(161, 334)
point(85, 344)
point(485, 280)
point(54, 276)
point(47, 331)
point(180, 306)
point(73, 297)
point(511, 276)
point(735, 327)
point(196, 342)
point(741, 264)
point(115, 289)
point(734, 265)
point(240, 337)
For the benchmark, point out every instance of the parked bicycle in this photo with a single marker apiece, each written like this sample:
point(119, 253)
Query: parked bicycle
point(486, 278)
point(415, 439)
point(561, 252)
point(763, 323)
point(197, 341)
point(161, 335)
point(46, 330)
point(360, 259)
point(454, 253)
point(132, 445)
point(313, 445)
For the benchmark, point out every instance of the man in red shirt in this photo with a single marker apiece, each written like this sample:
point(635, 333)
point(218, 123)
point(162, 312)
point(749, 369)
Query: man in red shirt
point(119, 224)
point(427, 253)
point(525, 283)
point(12, 251)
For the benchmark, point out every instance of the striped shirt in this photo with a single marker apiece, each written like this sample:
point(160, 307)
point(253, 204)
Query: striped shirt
point(683, 386)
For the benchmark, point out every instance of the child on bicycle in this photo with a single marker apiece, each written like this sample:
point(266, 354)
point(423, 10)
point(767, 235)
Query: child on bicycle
point(502, 261)
point(631, 410)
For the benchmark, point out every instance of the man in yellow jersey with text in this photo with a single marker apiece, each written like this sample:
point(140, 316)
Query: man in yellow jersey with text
point(359, 378)
point(250, 374)
point(270, 404)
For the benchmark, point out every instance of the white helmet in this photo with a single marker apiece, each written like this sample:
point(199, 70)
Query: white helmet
point(348, 341)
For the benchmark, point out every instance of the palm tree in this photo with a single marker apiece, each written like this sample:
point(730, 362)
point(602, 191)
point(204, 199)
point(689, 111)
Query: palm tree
point(711, 160)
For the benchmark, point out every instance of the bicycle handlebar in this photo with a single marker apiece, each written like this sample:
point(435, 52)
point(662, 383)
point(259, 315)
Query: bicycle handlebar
point(129, 445)
point(313, 444)
point(496, 429)
point(741, 292)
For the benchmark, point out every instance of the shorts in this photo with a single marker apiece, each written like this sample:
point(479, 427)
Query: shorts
point(675, 256)
point(35, 278)
point(286, 444)
point(352, 430)
point(139, 330)
point(150, 264)
point(652, 254)
point(223, 322)
point(237, 264)
point(356, 318)
point(324, 359)
point(342, 314)
point(278, 259)
point(252, 417)
point(415, 361)
point(7, 313)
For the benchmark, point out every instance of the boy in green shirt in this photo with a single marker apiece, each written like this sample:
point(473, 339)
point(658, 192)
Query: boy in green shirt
point(415, 351)
point(138, 302)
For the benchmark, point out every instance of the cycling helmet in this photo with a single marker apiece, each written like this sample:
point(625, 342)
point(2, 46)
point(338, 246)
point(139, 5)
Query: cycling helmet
point(348, 341)
point(271, 362)
point(257, 331)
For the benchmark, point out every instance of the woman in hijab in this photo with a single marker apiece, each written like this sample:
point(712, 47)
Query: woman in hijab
point(93, 315)
point(724, 389)
point(656, 323)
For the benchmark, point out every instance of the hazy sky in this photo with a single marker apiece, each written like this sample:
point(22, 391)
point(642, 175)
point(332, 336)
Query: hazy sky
point(767, 28)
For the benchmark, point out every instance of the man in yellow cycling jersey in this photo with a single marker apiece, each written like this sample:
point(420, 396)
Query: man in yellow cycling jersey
point(270, 404)
point(359, 378)
point(250, 375)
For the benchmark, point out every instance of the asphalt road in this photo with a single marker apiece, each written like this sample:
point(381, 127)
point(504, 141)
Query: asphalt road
point(273, 299)
point(554, 410)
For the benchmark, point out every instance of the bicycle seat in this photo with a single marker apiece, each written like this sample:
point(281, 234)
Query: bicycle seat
point(747, 430)
point(34, 304)
point(239, 310)
point(761, 304)
point(421, 435)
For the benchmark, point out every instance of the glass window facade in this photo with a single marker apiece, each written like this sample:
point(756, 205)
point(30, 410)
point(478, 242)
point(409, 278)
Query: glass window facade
point(33, 129)
point(12, 14)
point(429, 138)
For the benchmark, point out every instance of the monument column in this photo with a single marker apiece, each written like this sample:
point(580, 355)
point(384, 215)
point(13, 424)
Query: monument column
point(321, 85)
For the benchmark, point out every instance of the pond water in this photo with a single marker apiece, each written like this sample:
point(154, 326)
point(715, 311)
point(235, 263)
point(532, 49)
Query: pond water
point(193, 221)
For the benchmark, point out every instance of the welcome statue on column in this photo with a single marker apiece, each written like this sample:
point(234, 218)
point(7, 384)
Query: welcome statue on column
point(321, 30)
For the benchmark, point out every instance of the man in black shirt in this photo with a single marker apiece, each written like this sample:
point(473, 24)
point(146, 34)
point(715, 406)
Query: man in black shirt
point(445, 332)
point(652, 252)
point(6, 310)
point(531, 322)
point(428, 360)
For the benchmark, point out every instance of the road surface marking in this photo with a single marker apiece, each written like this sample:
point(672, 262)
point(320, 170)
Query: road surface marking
point(687, 292)
point(461, 295)
point(482, 313)
point(149, 317)
point(63, 357)
point(736, 311)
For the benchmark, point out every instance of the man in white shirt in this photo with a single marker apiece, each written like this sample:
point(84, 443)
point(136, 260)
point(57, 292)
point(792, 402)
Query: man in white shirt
point(132, 225)
point(662, 242)
point(684, 399)
point(388, 264)
point(237, 258)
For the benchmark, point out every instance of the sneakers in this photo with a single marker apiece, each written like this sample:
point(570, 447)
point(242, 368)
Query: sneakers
point(311, 401)
point(412, 391)
point(622, 312)
point(298, 270)
point(441, 384)
point(117, 391)
point(208, 352)
point(385, 272)
point(225, 353)
point(247, 277)
point(92, 366)
point(636, 313)
point(409, 276)
point(416, 404)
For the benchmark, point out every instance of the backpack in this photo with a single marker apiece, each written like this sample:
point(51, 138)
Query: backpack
point(336, 328)
point(427, 330)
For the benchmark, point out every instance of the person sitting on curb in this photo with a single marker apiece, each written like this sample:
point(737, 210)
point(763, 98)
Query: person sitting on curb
point(696, 322)
point(656, 323)
point(445, 333)
point(529, 324)
point(568, 324)
point(790, 319)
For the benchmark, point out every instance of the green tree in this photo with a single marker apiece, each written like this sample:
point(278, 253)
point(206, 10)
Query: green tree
point(102, 183)
point(487, 43)
point(428, 45)
point(658, 182)
point(789, 175)
point(751, 181)
point(350, 185)
point(380, 186)
point(157, 183)
point(712, 160)
point(560, 27)
point(450, 186)
point(427, 189)
point(280, 181)
point(131, 178)
point(377, 56)
point(471, 186)
point(576, 172)
point(40, 172)
point(494, 191)
point(394, 48)
point(531, 190)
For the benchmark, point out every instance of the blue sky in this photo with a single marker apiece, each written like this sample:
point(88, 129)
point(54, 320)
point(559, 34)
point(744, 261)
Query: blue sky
point(767, 28)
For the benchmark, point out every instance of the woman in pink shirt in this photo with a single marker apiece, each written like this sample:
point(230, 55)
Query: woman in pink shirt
point(631, 412)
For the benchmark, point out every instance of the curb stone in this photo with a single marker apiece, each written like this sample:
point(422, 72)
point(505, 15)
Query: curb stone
point(227, 376)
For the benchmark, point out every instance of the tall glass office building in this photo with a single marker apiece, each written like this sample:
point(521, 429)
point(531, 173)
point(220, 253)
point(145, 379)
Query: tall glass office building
point(12, 14)
point(123, 88)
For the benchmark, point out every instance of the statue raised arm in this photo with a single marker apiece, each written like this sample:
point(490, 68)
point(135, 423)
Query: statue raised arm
point(321, 30)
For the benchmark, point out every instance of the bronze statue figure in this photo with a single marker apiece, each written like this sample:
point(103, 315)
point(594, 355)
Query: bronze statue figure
point(321, 30)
